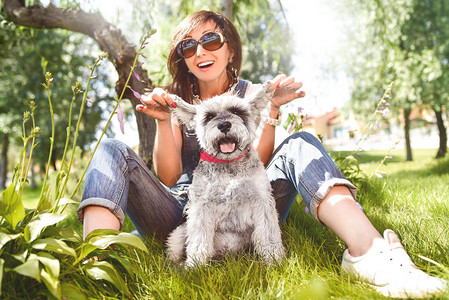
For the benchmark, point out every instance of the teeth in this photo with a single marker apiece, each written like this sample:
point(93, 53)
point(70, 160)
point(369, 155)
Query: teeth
point(205, 64)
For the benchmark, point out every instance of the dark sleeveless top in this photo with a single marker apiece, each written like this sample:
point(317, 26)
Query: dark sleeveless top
point(190, 153)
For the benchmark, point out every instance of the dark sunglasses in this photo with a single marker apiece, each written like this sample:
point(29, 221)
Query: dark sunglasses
point(210, 41)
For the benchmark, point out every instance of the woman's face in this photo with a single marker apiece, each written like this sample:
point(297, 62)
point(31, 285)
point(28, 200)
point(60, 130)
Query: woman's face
point(208, 66)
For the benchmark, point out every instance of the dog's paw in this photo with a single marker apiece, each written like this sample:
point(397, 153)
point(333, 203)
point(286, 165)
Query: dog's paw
point(192, 262)
point(176, 243)
point(273, 254)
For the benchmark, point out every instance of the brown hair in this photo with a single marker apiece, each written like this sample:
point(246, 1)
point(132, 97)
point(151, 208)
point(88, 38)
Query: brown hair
point(184, 82)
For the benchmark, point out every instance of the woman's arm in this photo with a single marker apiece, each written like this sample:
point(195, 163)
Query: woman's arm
point(167, 152)
point(265, 146)
point(168, 140)
point(286, 88)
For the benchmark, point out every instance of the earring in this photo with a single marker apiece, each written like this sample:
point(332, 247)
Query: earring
point(235, 77)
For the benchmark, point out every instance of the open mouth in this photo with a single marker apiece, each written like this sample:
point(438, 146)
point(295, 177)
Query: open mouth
point(227, 145)
point(205, 64)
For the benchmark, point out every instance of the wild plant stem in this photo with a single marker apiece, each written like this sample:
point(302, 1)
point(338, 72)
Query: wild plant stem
point(66, 171)
point(22, 155)
point(83, 103)
point(69, 125)
point(105, 127)
point(383, 161)
point(370, 120)
point(51, 146)
point(31, 153)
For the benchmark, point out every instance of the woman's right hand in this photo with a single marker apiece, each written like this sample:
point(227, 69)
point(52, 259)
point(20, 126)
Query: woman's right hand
point(155, 104)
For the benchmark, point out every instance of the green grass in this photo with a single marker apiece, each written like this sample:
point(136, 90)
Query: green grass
point(412, 199)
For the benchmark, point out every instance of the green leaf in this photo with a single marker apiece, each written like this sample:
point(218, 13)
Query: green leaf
point(11, 206)
point(50, 262)
point(54, 245)
point(101, 232)
point(5, 237)
point(102, 270)
point(125, 238)
point(69, 291)
point(64, 201)
point(69, 234)
point(2, 263)
point(21, 256)
point(30, 268)
point(34, 228)
point(52, 283)
point(85, 250)
point(123, 261)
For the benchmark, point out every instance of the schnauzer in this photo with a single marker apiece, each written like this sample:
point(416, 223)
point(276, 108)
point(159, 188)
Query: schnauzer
point(230, 207)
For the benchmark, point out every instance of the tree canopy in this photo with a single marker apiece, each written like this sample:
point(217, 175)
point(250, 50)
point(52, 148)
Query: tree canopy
point(400, 41)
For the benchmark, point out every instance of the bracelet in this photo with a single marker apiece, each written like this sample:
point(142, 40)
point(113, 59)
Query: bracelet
point(274, 122)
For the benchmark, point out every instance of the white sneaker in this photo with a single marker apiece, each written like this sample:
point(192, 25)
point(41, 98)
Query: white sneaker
point(389, 269)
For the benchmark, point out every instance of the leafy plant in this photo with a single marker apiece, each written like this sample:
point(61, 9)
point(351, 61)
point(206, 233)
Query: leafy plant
point(34, 243)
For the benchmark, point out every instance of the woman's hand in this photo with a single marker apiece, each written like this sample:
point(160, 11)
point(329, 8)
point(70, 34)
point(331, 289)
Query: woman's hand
point(155, 104)
point(286, 90)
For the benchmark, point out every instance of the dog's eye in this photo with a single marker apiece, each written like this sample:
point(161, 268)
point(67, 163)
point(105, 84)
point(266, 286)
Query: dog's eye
point(208, 117)
point(238, 112)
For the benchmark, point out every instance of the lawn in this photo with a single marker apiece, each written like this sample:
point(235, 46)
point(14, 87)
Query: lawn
point(411, 199)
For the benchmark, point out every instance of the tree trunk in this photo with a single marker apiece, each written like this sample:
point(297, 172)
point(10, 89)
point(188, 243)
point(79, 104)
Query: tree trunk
point(4, 161)
point(408, 146)
point(110, 39)
point(442, 150)
point(226, 9)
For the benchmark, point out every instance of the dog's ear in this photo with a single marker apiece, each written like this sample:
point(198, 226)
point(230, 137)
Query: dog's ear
point(184, 111)
point(258, 100)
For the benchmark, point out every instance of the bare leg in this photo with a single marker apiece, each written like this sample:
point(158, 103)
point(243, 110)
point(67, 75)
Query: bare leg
point(341, 214)
point(97, 217)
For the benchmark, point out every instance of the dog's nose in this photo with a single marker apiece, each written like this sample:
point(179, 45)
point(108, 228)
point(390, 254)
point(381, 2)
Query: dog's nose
point(224, 126)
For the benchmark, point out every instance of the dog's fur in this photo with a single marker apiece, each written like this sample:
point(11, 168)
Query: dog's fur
point(230, 205)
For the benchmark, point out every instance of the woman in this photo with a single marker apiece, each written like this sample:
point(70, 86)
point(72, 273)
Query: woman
point(204, 61)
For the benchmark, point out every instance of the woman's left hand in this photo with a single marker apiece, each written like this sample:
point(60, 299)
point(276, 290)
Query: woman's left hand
point(286, 90)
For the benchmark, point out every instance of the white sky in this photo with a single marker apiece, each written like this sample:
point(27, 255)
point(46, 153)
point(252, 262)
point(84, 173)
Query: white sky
point(318, 34)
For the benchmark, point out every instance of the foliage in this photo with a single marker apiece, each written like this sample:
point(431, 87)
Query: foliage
point(12, 37)
point(404, 41)
point(374, 53)
point(34, 244)
point(20, 82)
point(268, 46)
point(427, 33)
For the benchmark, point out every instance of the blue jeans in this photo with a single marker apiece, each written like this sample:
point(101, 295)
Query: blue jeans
point(119, 180)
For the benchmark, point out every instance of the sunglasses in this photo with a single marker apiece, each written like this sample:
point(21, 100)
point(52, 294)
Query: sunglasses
point(210, 41)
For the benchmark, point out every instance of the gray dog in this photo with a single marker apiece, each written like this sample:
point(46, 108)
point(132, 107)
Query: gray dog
point(230, 207)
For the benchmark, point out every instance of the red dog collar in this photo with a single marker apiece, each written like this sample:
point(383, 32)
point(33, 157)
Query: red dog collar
point(207, 157)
